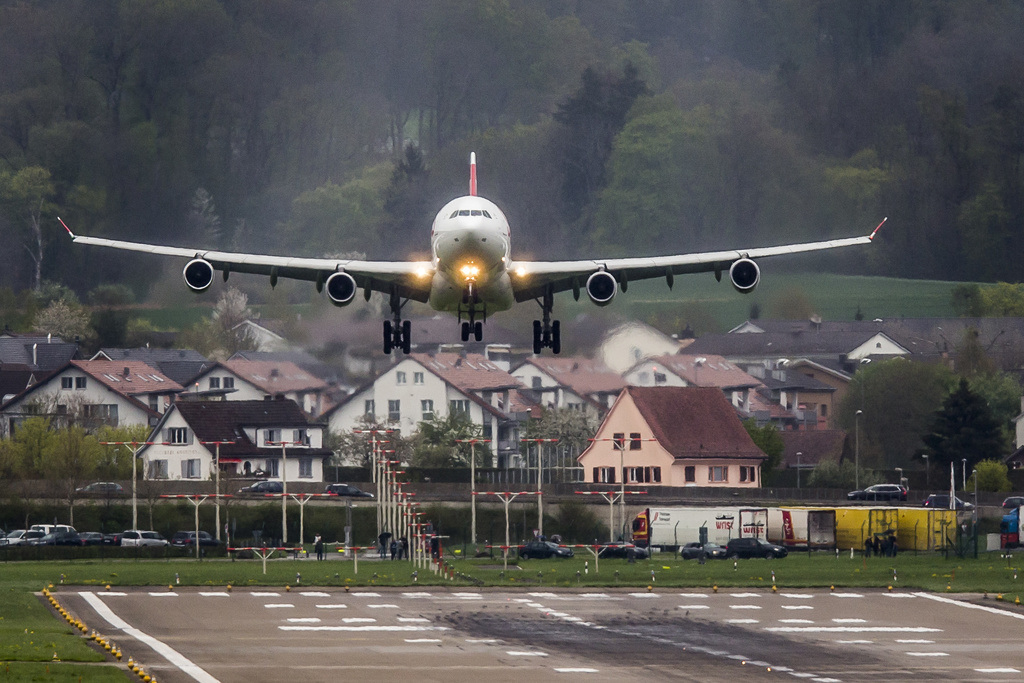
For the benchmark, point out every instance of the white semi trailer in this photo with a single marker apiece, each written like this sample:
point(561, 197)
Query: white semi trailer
point(804, 528)
point(670, 528)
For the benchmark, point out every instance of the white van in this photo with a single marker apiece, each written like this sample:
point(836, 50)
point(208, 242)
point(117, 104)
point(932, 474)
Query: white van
point(50, 528)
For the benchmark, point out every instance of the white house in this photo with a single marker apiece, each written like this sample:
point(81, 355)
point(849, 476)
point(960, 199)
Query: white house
point(573, 383)
point(94, 393)
point(250, 380)
point(270, 438)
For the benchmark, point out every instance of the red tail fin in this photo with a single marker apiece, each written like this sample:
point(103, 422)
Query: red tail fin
point(472, 174)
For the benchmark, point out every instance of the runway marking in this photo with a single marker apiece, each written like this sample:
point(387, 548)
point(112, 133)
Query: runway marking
point(315, 594)
point(279, 605)
point(744, 607)
point(915, 641)
point(801, 675)
point(218, 594)
point(927, 654)
point(304, 620)
point(846, 595)
point(797, 607)
point(527, 653)
point(596, 596)
point(742, 621)
point(543, 595)
point(164, 595)
point(416, 595)
point(557, 614)
point(483, 641)
point(368, 594)
point(264, 594)
point(744, 595)
point(855, 642)
point(413, 619)
point(853, 629)
point(358, 620)
point(694, 607)
point(166, 651)
point(850, 621)
point(700, 596)
point(797, 596)
point(826, 680)
point(534, 604)
point(423, 640)
point(332, 606)
point(899, 595)
point(576, 670)
point(469, 596)
point(991, 610)
point(795, 621)
point(999, 670)
point(364, 628)
point(386, 606)
point(115, 594)
point(644, 595)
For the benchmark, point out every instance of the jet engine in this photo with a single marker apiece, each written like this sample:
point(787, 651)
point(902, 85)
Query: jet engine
point(341, 289)
point(745, 275)
point(198, 274)
point(601, 287)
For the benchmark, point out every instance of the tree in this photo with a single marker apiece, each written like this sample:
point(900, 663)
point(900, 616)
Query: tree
point(25, 448)
point(832, 474)
point(356, 447)
point(964, 428)
point(437, 442)
point(68, 462)
point(967, 300)
point(766, 438)
point(28, 198)
point(63, 320)
point(992, 475)
point(572, 428)
point(220, 336)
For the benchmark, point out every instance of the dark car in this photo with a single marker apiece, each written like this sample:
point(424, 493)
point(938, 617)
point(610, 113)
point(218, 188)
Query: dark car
point(262, 487)
point(112, 539)
point(940, 501)
point(347, 491)
point(1013, 502)
point(753, 547)
point(187, 539)
point(543, 550)
point(879, 492)
point(90, 538)
point(101, 488)
point(58, 538)
point(622, 550)
point(692, 551)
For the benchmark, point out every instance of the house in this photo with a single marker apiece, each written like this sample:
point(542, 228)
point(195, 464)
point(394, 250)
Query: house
point(249, 380)
point(422, 386)
point(260, 334)
point(180, 365)
point(688, 370)
point(44, 353)
point(673, 436)
point(270, 438)
point(16, 378)
point(571, 383)
point(95, 393)
point(626, 345)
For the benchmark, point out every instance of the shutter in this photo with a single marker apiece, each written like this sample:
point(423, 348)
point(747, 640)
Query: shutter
point(184, 469)
point(597, 475)
point(188, 436)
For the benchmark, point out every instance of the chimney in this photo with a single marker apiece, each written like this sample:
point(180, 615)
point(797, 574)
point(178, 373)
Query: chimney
point(35, 354)
point(127, 372)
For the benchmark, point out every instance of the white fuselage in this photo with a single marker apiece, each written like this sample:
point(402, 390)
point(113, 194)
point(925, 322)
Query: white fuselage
point(470, 250)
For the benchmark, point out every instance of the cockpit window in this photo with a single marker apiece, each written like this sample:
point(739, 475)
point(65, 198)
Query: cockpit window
point(476, 212)
point(487, 214)
point(464, 212)
point(454, 214)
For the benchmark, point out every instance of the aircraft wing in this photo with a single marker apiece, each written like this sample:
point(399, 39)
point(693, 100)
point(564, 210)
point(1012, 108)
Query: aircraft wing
point(412, 279)
point(531, 279)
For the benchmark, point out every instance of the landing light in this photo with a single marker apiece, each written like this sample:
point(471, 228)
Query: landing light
point(520, 272)
point(469, 271)
point(421, 271)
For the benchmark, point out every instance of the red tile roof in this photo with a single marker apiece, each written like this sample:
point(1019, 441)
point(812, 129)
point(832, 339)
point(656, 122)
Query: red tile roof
point(713, 371)
point(693, 422)
point(469, 372)
point(128, 377)
point(582, 375)
point(275, 377)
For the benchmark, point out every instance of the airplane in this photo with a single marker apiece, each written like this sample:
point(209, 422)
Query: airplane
point(471, 271)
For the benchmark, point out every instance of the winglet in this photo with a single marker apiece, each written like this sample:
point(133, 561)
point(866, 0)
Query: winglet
point(66, 227)
point(875, 231)
point(472, 174)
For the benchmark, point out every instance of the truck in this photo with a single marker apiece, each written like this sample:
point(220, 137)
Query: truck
point(669, 528)
point(802, 528)
point(1009, 530)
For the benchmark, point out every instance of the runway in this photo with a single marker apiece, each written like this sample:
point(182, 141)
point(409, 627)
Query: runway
point(497, 635)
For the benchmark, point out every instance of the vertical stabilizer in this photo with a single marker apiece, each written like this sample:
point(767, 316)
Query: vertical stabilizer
point(472, 174)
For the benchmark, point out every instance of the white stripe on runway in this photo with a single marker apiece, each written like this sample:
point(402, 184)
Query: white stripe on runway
point(958, 603)
point(403, 629)
point(927, 654)
point(852, 629)
point(999, 670)
point(576, 670)
point(166, 651)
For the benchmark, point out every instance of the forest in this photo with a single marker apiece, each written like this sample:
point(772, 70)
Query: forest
point(601, 127)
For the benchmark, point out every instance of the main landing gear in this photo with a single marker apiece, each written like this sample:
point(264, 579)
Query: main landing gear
point(471, 326)
point(397, 332)
point(547, 333)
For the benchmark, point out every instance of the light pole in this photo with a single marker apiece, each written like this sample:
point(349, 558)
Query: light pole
point(900, 470)
point(798, 456)
point(134, 447)
point(927, 473)
point(964, 477)
point(856, 461)
point(472, 483)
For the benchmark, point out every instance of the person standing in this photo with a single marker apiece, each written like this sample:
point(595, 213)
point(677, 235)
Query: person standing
point(318, 545)
point(394, 549)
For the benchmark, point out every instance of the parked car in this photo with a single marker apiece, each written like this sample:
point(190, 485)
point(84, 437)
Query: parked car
point(91, 538)
point(1013, 502)
point(940, 501)
point(622, 550)
point(101, 488)
point(112, 539)
point(20, 537)
point(262, 487)
point(753, 547)
point(712, 551)
point(187, 539)
point(347, 490)
point(60, 537)
point(879, 492)
point(50, 528)
point(135, 539)
point(543, 550)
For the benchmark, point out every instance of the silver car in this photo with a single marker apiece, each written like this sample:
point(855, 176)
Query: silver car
point(138, 539)
point(21, 537)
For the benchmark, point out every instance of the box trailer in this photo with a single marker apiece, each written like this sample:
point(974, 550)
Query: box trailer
point(802, 528)
point(670, 528)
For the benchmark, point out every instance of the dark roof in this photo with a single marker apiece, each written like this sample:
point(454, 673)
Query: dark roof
point(14, 378)
point(693, 422)
point(180, 365)
point(39, 353)
point(814, 446)
point(781, 344)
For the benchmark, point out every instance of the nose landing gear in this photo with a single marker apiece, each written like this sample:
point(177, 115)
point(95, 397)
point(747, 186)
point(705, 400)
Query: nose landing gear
point(547, 333)
point(470, 308)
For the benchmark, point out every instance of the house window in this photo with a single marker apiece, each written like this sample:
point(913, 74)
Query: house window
point(80, 383)
point(634, 441)
point(229, 382)
point(427, 408)
point(105, 413)
point(619, 440)
point(746, 474)
point(300, 437)
point(417, 378)
point(369, 408)
point(654, 474)
point(660, 378)
point(177, 436)
point(824, 410)
point(536, 382)
point(690, 474)
point(67, 383)
point(604, 475)
point(215, 382)
point(394, 411)
point(272, 468)
point(190, 468)
point(634, 475)
point(157, 469)
point(154, 404)
point(458, 407)
point(718, 474)
point(272, 437)
point(305, 468)
point(400, 378)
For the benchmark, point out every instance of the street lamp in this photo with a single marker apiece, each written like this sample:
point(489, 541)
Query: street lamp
point(927, 473)
point(798, 455)
point(900, 470)
point(856, 462)
point(964, 478)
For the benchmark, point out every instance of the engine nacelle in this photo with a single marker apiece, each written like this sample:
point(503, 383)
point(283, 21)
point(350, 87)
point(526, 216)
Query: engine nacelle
point(341, 289)
point(198, 274)
point(745, 275)
point(601, 287)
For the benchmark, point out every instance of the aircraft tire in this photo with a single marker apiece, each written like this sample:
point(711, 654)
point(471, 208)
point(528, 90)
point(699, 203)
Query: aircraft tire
point(556, 337)
point(387, 337)
point(406, 336)
point(478, 331)
point(536, 337)
point(465, 332)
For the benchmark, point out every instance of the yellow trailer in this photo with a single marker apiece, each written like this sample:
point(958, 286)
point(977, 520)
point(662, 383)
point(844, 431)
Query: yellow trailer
point(914, 528)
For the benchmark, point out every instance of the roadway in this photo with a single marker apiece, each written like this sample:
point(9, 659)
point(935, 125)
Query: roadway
point(462, 634)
